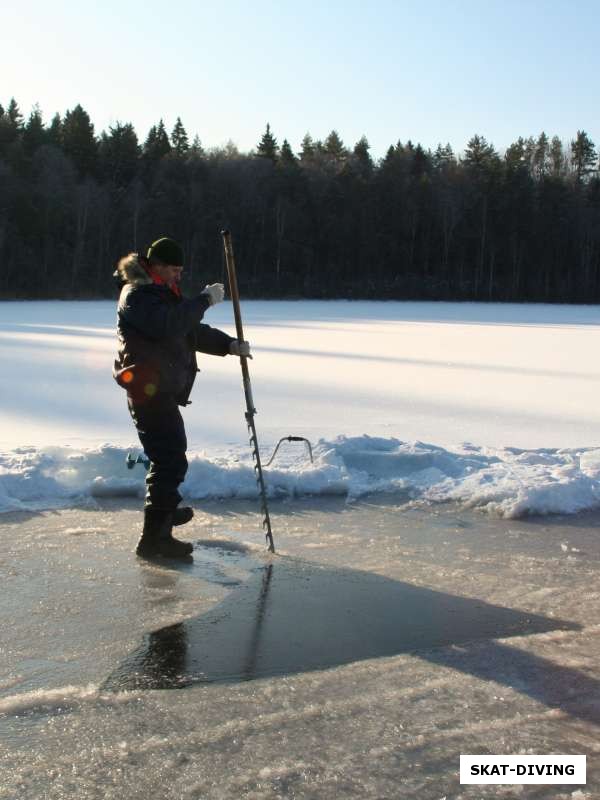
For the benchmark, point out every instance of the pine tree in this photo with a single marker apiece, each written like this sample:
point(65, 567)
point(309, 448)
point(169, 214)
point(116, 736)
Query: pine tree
point(529, 153)
point(78, 140)
point(179, 139)
point(583, 155)
point(267, 147)
point(541, 156)
point(515, 156)
point(557, 157)
point(443, 157)
point(479, 154)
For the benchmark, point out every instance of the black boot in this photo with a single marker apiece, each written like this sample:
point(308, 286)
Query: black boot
point(157, 538)
point(182, 515)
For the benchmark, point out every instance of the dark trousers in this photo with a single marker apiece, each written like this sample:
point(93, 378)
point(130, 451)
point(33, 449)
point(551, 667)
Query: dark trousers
point(162, 433)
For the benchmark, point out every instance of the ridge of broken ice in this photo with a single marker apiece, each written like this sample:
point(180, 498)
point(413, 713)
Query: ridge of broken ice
point(508, 482)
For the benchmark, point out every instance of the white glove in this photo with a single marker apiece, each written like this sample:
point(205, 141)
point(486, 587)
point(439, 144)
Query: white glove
point(237, 348)
point(215, 293)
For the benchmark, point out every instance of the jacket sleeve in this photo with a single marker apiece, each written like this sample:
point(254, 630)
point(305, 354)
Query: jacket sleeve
point(155, 319)
point(211, 340)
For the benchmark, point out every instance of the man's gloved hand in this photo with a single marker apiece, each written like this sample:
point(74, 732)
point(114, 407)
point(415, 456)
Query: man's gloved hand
point(237, 348)
point(215, 293)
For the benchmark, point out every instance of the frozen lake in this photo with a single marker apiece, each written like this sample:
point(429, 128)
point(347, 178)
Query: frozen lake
point(495, 375)
point(397, 626)
point(494, 406)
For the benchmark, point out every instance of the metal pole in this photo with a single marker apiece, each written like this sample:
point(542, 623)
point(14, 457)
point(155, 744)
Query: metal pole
point(250, 410)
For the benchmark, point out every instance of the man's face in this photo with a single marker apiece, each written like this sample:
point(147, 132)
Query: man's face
point(168, 273)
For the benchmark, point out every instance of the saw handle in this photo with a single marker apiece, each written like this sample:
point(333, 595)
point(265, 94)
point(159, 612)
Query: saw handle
point(233, 286)
point(237, 313)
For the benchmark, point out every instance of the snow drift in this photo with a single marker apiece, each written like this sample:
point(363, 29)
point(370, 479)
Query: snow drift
point(508, 482)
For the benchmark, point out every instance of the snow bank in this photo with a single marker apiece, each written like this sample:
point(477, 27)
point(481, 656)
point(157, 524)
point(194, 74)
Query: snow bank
point(508, 482)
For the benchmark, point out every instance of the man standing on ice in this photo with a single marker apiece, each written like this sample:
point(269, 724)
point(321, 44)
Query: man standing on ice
point(159, 333)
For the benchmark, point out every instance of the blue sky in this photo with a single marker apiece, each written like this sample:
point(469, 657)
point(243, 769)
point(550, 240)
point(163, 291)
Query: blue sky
point(432, 72)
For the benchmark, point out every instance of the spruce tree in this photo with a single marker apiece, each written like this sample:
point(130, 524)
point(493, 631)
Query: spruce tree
point(362, 155)
point(287, 157)
point(54, 131)
point(390, 157)
point(162, 140)
point(307, 148)
point(334, 149)
point(11, 124)
point(150, 142)
point(179, 139)
point(78, 140)
point(157, 143)
point(267, 147)
point(421, 162)
point(34, 134)
point(196, 150)
point(14, 114)
point(119, 153)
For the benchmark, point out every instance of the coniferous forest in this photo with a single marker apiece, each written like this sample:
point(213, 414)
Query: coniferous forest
point(326, 222)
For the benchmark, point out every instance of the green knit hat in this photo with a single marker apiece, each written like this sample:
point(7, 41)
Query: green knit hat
point(167, 251)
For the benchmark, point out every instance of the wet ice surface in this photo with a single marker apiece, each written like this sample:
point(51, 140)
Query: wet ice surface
point(296, 616)
point(399, 638)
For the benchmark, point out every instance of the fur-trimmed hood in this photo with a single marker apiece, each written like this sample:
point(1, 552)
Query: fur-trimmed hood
point(131, 270)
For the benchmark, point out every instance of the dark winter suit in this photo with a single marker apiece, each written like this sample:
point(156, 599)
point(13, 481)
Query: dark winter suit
point(159, 334)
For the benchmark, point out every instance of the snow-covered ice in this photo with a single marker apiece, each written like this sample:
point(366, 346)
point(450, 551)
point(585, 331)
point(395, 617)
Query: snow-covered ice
point(492, 406)
point(505, 481)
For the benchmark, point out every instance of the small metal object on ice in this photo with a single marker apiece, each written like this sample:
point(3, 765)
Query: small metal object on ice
point(292, 439)
point(131, 461)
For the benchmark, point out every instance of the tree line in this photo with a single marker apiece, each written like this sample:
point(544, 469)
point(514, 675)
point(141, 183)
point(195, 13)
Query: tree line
point(328, 221)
